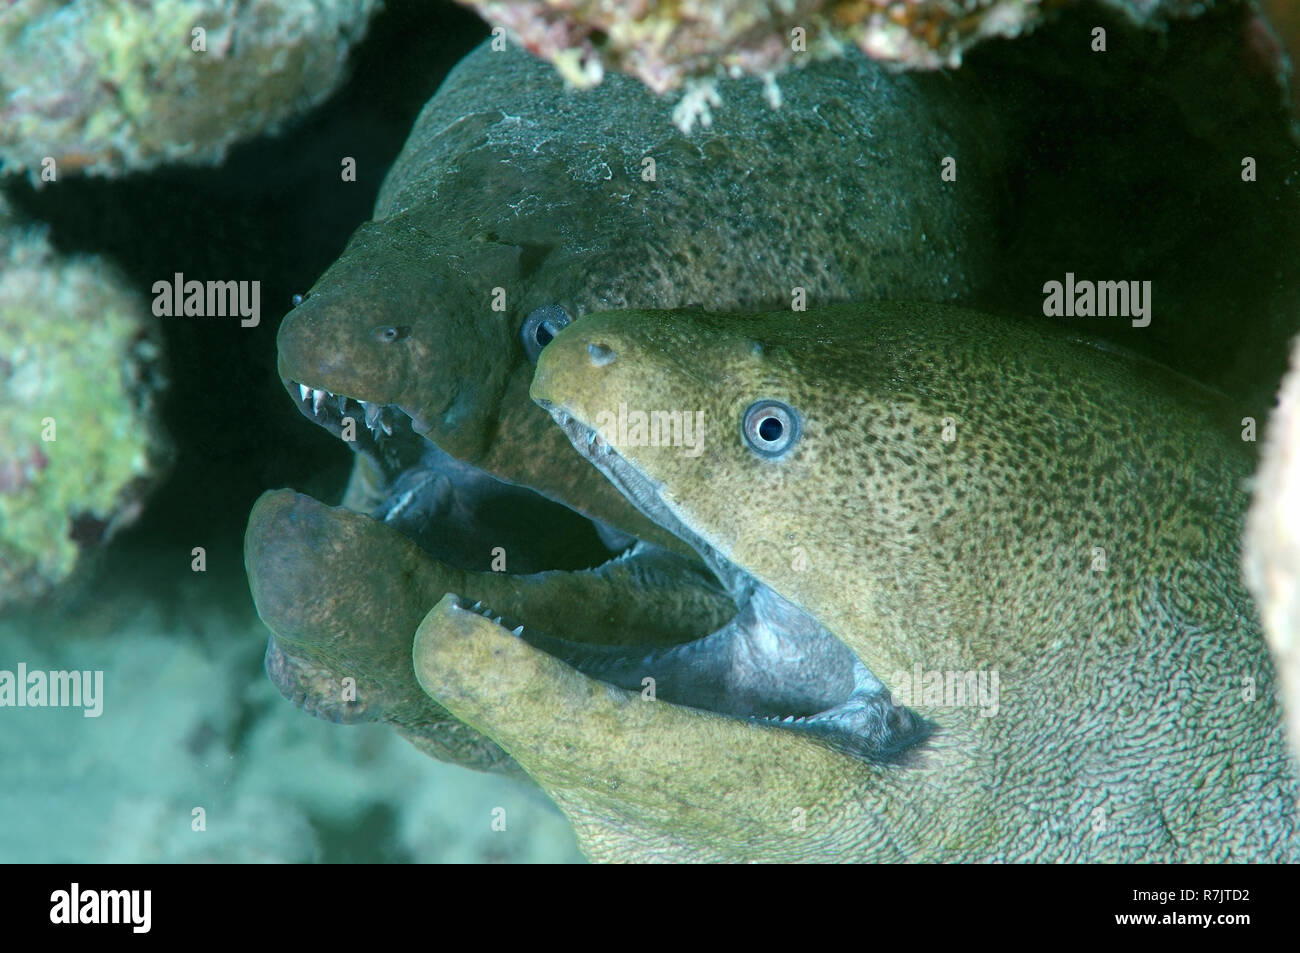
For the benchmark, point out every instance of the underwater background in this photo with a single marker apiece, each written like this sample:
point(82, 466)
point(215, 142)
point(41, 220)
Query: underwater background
point(190, 719)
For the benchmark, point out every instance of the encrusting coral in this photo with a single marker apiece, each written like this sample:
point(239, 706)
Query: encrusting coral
point(80, 442)
point(112, 86)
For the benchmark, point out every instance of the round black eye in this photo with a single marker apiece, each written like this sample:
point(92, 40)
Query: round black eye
point(541, 325)
point(387, 333)
point(770, 427)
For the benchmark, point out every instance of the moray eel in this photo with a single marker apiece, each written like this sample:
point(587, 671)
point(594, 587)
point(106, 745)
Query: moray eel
point(515, 194)
point(1025, 546)
point(517, 206)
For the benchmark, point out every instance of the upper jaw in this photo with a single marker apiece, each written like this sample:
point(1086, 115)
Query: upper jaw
point(327, 409)
point(378, 424)
point(643, 493)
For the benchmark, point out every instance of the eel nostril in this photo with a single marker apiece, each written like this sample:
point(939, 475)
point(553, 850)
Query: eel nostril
point(600, 354)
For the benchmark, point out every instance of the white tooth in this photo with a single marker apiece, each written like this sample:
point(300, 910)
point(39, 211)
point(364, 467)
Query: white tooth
point(372, 413)
point(518, 631)
point(303, 390)
point(497, 620)
point(383, 422)
point(317, 398)
point(591, 437)
point(342, 403)
point(478, 605)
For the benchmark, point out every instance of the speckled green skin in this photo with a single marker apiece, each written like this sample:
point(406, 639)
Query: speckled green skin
point(509, 181)
point(1137, 717)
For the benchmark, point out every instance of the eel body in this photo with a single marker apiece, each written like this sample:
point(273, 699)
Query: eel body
point(1031, 542)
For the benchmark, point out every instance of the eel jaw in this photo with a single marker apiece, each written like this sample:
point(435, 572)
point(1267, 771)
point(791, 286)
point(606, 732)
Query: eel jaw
point(799, 678)
point(328, 409)
point(772, 662)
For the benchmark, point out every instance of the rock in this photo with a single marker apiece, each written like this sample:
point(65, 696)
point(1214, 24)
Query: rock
point(117, 86)
point(1272, 544)
point(80, 441)
point(666, 45)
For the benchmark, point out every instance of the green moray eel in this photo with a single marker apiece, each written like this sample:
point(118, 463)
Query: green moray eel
point(371, 586)
point(1031, 541)
point(517, 205)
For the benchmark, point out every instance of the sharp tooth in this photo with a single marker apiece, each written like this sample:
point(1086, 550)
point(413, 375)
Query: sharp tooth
point(372, 413)
point(383, 422)
point(317, 398)
point(303, 390)
point(497, 620)
point(478, 605)
point(342, 403)
point(591, 437)
point(518, 631)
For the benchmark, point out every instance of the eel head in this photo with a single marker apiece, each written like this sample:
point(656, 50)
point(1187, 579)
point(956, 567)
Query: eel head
point(367, 340)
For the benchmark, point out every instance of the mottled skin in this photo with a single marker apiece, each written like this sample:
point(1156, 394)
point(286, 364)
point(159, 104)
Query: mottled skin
point(370, 587)
point(509, 181)
point(1137, 717)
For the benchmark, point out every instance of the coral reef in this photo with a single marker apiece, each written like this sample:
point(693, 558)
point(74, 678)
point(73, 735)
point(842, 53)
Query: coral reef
point(80, 442)
point(1272, 543)
point(667, 44)
point(107, 87)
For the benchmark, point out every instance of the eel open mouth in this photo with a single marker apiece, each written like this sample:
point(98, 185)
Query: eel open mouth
point(453, 510)
point(771, 662)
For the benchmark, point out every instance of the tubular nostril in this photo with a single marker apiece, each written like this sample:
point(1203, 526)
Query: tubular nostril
point(600, 354)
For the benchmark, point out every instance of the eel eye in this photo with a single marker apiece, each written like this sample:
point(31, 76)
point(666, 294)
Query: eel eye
point(540, 326)
point(388, 333)
point(770, 428)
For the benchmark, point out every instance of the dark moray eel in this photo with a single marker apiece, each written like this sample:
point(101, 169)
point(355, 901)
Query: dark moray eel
point(517, 205)
point(946, 494)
